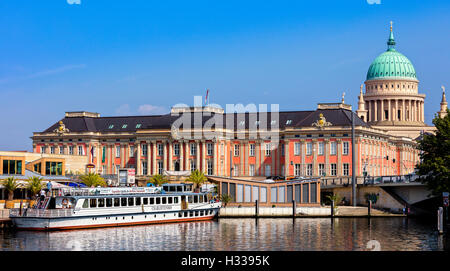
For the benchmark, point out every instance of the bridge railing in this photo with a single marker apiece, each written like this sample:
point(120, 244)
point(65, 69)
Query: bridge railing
point(347, 181)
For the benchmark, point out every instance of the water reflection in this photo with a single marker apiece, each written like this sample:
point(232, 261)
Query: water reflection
point(239, 234)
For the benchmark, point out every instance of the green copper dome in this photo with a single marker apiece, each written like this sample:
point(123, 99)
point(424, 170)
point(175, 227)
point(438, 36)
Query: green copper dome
point(391, 64)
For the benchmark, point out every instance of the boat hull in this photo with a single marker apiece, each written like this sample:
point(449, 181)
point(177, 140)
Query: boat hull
point(118, 220)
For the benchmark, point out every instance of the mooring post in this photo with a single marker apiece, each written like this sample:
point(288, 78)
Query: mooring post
point(332, 208)
point(256, 208)
point(294, 208)
point(441, 220)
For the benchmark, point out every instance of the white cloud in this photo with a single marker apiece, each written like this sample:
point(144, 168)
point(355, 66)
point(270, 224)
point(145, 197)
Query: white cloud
point(42, 73)
point(124, 109)
point(148, 109)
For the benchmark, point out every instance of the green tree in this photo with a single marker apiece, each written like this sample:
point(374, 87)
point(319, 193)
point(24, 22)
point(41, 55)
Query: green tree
point(197, 177)
point(225, 198)
point(434, 167)
point(92, 180)
point(157, 180)
point(10, 185)
point(34, 185)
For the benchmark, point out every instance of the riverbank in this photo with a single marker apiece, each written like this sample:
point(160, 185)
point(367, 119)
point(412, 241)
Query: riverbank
point(341, 211)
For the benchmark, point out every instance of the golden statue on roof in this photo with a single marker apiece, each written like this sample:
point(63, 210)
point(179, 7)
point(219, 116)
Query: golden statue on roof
point(61, 129)
point(321, 122)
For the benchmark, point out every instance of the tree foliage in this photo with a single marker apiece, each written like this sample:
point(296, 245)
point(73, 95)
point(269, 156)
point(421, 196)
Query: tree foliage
point(35, 185)
point(10, 185)
point(434, 167)
point(93, 180)
point(197, 177)
point(157, 180)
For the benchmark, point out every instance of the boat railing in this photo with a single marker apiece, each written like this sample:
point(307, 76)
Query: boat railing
point(45, 213)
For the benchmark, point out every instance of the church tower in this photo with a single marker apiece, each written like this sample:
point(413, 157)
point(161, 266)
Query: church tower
point(443, 112)
point(392, 97)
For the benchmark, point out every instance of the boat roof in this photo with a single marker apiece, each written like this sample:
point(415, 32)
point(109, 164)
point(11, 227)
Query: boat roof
point(131, 195)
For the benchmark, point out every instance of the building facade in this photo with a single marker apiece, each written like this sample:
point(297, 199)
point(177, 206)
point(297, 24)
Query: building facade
point(314, 143)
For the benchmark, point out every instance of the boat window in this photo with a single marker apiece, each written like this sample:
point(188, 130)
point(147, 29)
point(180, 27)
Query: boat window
point(190, 199)
point(179, 188)
point(164, 200)
point(138, 201)
point(185, 214)
point(205, 198)
point(195, 199)
point(123, 201)
point(191, 214)
point(86, 203)
point(202, 213)
point(201, 199)
point(116, 202)
point(109, 202)
point(158, 200)
point(152, 201)
point(169, 200)
point(130, 201)
point(145, 201)
point(180, 214)
point(196, 213)
point(93, 203)
point(172, 188)
point(175, 200)
point(101, 203)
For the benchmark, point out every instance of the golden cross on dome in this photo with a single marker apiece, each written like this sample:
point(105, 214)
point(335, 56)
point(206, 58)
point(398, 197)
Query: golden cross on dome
point(343, 94)
point(391, 25)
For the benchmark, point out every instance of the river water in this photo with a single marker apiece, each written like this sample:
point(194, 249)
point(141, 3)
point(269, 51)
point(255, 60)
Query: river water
point(301, 234)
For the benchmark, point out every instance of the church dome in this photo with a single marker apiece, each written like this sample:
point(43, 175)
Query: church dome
point(391, 65)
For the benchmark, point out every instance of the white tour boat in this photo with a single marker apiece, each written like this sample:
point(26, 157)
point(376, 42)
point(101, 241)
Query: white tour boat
point(79, 208)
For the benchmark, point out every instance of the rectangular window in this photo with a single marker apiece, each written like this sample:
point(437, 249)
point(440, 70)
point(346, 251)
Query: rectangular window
point(281, 195)
point(252, 150)
point(101, 203)
point(193, 165)
point(52, 150)
point(255, 193)
point(12, 167)
point(321, 147)
point(346, 169)
point(131, 151)
point(297, 170)
point(44, 149)
point(313, 187)
point(93, 203)
point(144, 149)
point(297, 148)
point(251, 170)
point(247, 191)
point(305, 193)
point(176, 149)
point(61, 150)
point(209, 149)
point(309, 170)
point(263, 194)
point(160, 149)
point(210, 167)
point(53, 168)
point(322, 170)
point(345, 148)
point(273, 194)
point(308, 148)
point(144, 168)
point(268, 149)
point(333, 148)
point(117, 151)
point(239, 192)
point(160, 167)
point(333, 170)
point(71, 150)
point(236, 150)
point(80, 150)
point(236, 170)
point(268, 170)
point(152, 201)
point(193, 149)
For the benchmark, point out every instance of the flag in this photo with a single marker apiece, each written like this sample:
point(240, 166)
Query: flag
point(104, 154)
point(206, 97)
point(92, 154)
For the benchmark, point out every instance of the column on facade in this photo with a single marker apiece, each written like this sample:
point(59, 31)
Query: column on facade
point(225, 169)
point(197, 154)
point(182, 155)
point(389, 110)
point(138, 159)
point(215, 157)
point(286, 158)
point(376, 110)
point(382, 110)
point(315, 148)
point(154, 145)
point(278, 160)
point(339, 156)
point(258, 158)
point(171, 155)
point(149, 161)
point(205, 167)
point(272, 157)
point(404, 109)
point(326, 146)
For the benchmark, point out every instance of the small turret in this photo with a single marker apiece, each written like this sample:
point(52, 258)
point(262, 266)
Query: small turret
point(443, 112)
point(361, 112)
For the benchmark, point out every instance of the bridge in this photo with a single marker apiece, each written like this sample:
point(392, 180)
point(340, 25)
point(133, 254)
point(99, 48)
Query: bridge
point(386, 192)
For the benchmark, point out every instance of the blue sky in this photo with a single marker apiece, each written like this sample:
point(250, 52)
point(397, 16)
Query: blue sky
point(141, 57)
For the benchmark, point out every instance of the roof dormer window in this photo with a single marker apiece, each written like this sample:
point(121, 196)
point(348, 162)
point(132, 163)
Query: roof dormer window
point(288, 122)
